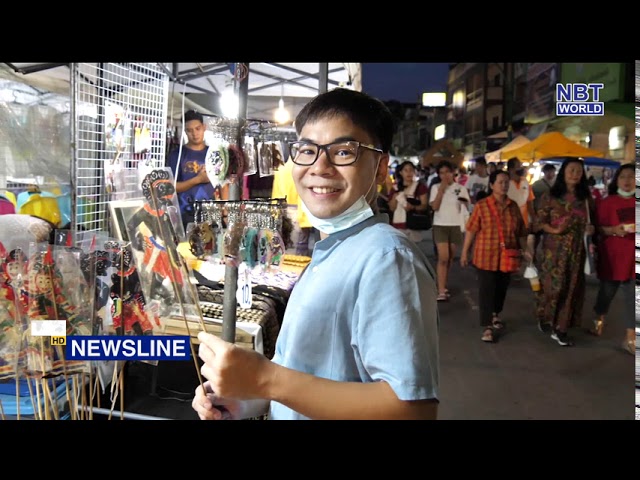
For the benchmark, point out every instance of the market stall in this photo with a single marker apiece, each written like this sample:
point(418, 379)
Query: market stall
point(116, 137)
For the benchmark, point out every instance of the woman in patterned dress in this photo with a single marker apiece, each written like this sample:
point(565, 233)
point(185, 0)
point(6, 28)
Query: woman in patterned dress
point(564, 220)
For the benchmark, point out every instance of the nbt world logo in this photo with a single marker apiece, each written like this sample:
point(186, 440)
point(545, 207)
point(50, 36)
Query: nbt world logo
point(573, 99)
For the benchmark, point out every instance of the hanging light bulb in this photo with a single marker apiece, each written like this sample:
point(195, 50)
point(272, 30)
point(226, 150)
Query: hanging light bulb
point(281, 115)
point(229, 103)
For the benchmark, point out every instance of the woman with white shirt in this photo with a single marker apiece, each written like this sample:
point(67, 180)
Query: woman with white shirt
point(447, 199)
point(409, 194)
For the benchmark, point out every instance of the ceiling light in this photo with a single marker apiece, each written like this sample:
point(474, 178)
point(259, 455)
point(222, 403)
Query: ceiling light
point(229, 103)
point(281, 114)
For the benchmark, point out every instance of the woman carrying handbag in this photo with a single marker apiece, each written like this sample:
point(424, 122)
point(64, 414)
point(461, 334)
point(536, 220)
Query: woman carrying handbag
point(497, 228)
point(410, 196)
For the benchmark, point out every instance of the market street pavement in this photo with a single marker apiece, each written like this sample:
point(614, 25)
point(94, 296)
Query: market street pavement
point(526, 374)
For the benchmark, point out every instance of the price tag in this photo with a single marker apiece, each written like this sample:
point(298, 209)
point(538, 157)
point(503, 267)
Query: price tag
point(243, 293)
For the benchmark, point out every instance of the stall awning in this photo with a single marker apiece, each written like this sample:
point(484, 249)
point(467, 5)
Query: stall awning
point(552, 144)
point(502, 154)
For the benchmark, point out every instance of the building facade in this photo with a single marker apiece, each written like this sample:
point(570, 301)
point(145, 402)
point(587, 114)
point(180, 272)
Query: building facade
point(490, 103)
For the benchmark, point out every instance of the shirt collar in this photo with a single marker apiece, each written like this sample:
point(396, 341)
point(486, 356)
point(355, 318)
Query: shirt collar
point(354, 230)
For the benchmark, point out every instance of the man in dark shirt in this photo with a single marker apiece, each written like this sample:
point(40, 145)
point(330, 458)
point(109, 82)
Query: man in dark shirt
point(192, 181)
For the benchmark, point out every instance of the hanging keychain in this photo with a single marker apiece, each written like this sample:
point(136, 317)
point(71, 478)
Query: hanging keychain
point(250, 238)
point(277, 244)
point(243, 293)
point(214, 163)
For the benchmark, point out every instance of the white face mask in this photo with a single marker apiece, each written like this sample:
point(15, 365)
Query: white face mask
point(625, 194)
point(353, 215)
point(356, 213)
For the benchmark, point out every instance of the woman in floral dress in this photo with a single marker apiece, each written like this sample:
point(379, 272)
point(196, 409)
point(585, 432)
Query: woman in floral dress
point(564, 220)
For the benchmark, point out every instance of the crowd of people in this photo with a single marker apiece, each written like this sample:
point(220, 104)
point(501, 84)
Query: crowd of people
point(554, 224)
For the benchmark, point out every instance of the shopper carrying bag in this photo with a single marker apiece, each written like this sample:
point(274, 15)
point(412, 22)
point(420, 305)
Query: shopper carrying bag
point(589, 259)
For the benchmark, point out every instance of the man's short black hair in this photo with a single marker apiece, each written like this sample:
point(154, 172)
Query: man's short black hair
point(363, 110)
point(193, 115)
point(445, 164)
point(548, 167)
point(512, 162)
point(481, 161)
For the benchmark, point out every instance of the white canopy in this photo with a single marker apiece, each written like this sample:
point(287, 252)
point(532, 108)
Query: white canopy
point(201, 83)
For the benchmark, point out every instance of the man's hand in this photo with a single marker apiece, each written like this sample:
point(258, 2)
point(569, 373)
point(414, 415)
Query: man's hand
point(233, 372)
point(202, 176)
point(617, 230)
point(210, 406)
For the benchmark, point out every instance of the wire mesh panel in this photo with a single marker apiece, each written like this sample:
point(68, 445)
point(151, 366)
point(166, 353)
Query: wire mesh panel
point(120, 125)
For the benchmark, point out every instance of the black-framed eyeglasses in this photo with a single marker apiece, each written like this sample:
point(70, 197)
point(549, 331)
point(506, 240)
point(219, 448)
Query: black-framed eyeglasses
point(338, 153)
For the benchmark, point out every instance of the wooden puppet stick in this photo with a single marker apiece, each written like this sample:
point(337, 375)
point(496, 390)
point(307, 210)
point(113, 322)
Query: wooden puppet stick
point(90, 394)
point(45, 397)
point(122, 393)
point(2, 411)
point(33, 403)
point(53, 400)
point(49, 257)
point(170, 253)
point(35, 380)
point(74, 388)
point(83, 396)
point(97, 389)
point(119, 381)
point(17, 395)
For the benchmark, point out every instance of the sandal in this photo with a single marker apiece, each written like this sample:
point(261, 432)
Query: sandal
point(487, 335)
point(442, 297)
point(497, 323)
point(629, 346)
point(598, 326)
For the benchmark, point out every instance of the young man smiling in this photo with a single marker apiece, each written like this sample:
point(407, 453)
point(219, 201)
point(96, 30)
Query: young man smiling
point(188, 167)
point(359, 339)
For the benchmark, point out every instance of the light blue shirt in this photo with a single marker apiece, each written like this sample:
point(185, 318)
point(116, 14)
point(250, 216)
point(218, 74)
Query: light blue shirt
point(364, 310)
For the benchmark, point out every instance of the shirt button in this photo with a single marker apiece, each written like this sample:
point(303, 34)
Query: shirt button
point(314, 269)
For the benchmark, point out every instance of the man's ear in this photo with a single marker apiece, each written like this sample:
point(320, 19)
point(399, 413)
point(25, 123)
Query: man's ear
point(383, 169)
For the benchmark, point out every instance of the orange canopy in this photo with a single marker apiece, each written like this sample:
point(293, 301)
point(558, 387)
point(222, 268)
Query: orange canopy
point(551, 144)
point(502, 154)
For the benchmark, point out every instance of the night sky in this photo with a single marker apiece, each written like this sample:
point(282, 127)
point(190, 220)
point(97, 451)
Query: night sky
point(404, 82)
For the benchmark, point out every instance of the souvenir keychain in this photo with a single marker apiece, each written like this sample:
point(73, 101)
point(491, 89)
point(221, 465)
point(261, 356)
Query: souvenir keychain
point(214, 164)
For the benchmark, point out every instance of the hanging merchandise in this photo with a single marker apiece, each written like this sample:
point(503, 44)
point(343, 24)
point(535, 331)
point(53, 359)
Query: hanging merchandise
point(114, 178)
point(265, 159)
point(250, 155)
point(236, 160)
point(47, 301)
point(13, 321)
point(74, 287)
point(215, 164)
point(143, 168)
point(141, 137)
point(130, 312)
point(115, 125)
point(155, 230)
point(224, 166)
point(276, 155)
